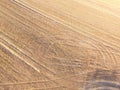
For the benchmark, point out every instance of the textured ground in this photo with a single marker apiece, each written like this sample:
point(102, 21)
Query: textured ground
point(59, 44)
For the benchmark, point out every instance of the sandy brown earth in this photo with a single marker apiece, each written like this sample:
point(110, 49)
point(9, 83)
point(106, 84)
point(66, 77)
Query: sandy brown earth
point(59, 44)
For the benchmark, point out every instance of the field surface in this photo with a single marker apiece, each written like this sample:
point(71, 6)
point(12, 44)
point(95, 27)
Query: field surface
point(59, 44)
